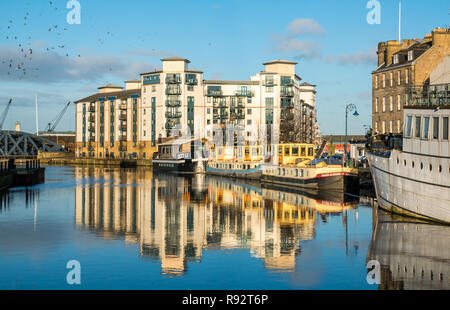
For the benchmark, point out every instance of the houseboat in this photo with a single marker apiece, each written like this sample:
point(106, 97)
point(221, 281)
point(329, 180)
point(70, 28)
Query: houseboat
point(298, 168)
point(411, 173)
point(243, 162)
point(180, 155)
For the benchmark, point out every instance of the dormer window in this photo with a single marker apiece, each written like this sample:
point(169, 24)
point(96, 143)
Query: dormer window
point(410, 55)
point(396, 59)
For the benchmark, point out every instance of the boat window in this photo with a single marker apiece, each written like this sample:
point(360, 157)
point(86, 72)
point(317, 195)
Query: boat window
point(303, 151)
point(418, 119)
point(254, 152)
point(295, 151)
point(408, 126)
point(284, 171)
point(445, 128)
point(301, 174)
point(286, 151)
point(310, 151)
point(435, 127)
point(426, 126)
point(296, 172)
point(280, 150)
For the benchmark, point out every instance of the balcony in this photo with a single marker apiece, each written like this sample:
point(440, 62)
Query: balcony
point(123, 138)
point(287, 93)
point(244, 93)
point(287, 116)
point(192, 81)
point(429, 95)
point(287, 82)
point(91, 108)
point(237, 115)
point(269, 82)
point(91, 149)
point(91, 118)
point(170, 79)
point(220, 116)
point(287, 104)
point(214, 93)
point(123, 128)
point(173, 103)
point(123, 106)
point(221, 105)
point(91, 139)
point(91, 128)
point(173, 114)
point(122, 148)
point(123, 117)
point(173, 91)
point(170, 125)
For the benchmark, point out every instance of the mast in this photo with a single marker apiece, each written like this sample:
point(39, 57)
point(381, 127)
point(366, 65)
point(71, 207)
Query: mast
point(37, 115)
point(400, 21)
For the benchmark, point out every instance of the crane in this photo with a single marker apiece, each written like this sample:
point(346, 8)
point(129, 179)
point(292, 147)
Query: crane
point(52, 125)
point(2, 121)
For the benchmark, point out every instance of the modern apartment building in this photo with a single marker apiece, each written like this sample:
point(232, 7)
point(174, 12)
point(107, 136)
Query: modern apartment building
point(402, 67)
point(177, 101)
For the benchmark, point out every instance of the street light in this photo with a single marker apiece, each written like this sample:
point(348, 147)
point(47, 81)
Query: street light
point(349, 108)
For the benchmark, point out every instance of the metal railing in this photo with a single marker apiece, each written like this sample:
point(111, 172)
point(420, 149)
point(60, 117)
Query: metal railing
point(428, 95)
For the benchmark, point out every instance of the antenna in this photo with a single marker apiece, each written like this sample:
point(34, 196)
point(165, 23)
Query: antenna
point(37, 115)
point(399, 21)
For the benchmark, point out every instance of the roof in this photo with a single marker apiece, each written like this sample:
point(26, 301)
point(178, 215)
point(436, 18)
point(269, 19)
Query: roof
point(118, 94)
point(110, 86)
point(133, 81)
point(307, 84)
point(176, 59)
point(281, 61)
point(230, 82)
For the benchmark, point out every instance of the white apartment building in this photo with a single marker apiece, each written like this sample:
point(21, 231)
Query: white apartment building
point(177, 101)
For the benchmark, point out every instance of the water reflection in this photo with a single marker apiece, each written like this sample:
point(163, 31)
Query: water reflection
point(175, 218)
point(413, 255)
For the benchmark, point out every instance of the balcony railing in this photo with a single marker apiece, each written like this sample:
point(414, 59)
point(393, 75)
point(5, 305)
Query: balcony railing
point(173, 103)
point(92, 108)
point(122, 138)
point(287, 116)
point(123, 117)
point(287, 104)
point(123, 128)
point(173, 114)
point(287, 82)
point(191, 81)
point(170, 125)
point(287, 93)
point(221, 115)
point(269, 82)
point(237, 115)
point(91, 139)
point(214, 93)
point(91, 129)
point(173, 91)
point(173, 80)
point(91, 118)
point(123, 106)
point(428, 95)
point(244, 93)
point(122, 148)
point(220, 105)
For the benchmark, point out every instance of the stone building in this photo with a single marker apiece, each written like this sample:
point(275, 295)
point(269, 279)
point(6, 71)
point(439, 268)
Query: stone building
point(402, 66)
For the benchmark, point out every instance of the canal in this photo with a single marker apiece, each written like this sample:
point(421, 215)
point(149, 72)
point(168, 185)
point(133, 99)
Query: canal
point(131, 229)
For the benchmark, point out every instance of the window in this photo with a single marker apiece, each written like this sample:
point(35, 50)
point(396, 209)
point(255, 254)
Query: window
point(426, 126)
point(249, 111)
point(303, 151)
point(391, 126)
point(153, 88)
point(407, 76)
point(249, 122)
point(410, 55)
point(399, 77)
point(399, 126)
point(376, 81)
point(395, 60)
point(376, 105)
point(445, 128)
point(418, 126)
point(208, 111)
point(190, 88)
point(384, 104)
point(391, 79)
point(384, 80)
point(208, 122)
point(399, 102)
point(269, 89)
point(295, 151)
point(310, 151)
point(286, 151)
point(391, 103)
point(435, 127)
point(383, 127)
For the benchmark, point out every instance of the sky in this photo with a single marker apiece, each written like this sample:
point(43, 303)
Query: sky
point(332, 41)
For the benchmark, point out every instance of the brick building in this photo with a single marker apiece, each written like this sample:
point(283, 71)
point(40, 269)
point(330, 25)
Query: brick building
point(401, 66)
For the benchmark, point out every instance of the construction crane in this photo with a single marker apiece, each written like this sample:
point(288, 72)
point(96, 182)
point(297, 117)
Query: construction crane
point(2, 121)
point(52, 125)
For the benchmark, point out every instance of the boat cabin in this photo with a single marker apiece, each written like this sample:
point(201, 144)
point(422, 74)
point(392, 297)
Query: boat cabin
point(293, 153)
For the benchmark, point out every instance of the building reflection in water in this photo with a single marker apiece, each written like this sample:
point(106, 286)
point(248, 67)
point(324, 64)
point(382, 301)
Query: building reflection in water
point(412, 255)
point(175, 218)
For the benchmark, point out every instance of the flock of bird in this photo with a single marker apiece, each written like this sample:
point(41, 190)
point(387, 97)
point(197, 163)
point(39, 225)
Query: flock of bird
point(20, 64)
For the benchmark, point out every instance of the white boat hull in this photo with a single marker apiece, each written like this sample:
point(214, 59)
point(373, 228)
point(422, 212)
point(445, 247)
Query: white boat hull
point(422, 191)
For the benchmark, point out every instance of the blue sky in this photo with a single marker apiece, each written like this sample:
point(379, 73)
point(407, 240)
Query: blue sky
point(116, 40)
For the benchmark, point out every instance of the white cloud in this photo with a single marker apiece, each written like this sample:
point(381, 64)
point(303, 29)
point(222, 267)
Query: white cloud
point(306, 49)
point(302, 26)
point(153, 52)
point(358, 58)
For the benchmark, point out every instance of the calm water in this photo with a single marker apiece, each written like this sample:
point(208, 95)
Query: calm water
point(130, 229)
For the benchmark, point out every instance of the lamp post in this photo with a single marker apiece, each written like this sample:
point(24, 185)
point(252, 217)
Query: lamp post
point(349, 108)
